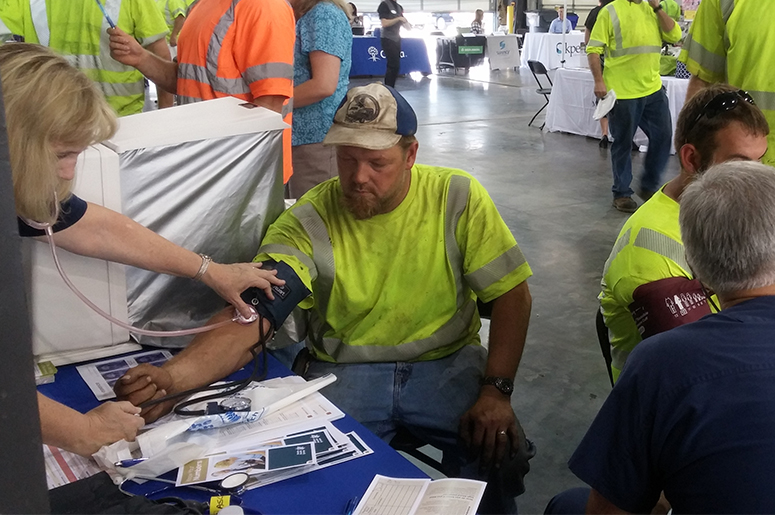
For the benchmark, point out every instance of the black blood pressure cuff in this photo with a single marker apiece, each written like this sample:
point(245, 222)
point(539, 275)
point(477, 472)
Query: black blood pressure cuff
point(286, 297)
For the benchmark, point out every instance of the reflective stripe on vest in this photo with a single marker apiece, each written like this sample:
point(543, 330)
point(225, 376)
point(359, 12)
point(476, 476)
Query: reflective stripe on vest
point(276, 248)
point(726, 6)
point(496, 269)
point(715, 63)
point(765, 100)
point(622, 242)
point(235, 86)
point(323, 256)
point(620, 50)
point(665, 246)
point(91, 62)
point(40, 21)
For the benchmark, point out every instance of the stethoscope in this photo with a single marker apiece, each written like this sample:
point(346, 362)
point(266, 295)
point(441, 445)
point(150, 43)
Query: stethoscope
point(233, 484)
point(230, 403)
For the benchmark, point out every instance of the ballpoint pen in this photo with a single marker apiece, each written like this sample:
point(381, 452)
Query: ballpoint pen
point(351, 505)
point(107, 17)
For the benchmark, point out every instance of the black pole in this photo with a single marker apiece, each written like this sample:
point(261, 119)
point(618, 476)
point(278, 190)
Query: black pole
point(22, 473)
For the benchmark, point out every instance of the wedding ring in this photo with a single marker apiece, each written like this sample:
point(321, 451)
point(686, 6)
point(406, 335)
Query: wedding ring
point(502, 433)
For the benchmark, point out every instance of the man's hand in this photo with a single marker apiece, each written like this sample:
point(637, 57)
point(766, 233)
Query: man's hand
point(600, 89)
point(229, 281)
point(145, 383)
point(109, 423)
point(654, 3)
point(489, 429)
point(174, 40)
point(125, 49)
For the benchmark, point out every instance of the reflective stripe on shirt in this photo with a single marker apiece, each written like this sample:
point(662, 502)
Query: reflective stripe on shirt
point(323, 255)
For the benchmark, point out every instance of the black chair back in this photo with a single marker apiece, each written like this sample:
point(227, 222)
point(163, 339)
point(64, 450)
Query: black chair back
point(538, 68)
point(605, 344)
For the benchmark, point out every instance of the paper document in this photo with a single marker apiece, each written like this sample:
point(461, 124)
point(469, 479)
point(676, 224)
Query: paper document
point(392, 496)
point(604, 105)
point(102, 375)
point(64, 467)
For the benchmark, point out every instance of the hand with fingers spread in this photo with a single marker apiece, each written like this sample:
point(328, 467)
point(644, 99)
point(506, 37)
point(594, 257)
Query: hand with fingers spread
point(229, 281)
point(489, 429)
point(145, 383)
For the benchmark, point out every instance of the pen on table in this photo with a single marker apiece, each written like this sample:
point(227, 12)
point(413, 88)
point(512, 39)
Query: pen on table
point(129, 463)
point(104, 12)
point(351, 505)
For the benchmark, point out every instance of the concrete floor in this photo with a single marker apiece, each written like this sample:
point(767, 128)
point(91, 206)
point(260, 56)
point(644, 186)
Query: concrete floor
point(554, 192)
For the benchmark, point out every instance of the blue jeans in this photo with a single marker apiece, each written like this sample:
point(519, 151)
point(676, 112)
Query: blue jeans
point(569, 502)
point(652, 114)
point(427, 398)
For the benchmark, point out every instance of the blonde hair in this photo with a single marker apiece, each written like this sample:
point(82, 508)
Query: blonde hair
point(302, 7)
point(47, 102)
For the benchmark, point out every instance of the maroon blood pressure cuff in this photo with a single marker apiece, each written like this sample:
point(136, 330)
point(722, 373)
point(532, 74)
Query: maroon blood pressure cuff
point(667, 303)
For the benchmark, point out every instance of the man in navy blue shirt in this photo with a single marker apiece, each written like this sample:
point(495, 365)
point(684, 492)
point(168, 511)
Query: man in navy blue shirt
point(693, 413)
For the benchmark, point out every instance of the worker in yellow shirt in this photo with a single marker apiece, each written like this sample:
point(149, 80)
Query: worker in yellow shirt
point(731, 41)
point(647, 287)
point(630, 34)
point(77, 30)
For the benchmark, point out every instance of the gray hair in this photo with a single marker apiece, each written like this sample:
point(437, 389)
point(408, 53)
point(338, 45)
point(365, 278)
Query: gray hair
point(727, 222)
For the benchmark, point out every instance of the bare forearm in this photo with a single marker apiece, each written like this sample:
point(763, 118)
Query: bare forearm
point(595, 67)
point(695, 85)
point(666, 23)
point(61, 426)
point(162, 72)
point(105, 234)
point(508, 330)
point(177, 27)
point(214, 355)
point(389, 23)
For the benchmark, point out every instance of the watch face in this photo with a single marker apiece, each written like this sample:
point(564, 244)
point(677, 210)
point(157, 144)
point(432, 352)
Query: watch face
point(236, 404)
point(504, 386)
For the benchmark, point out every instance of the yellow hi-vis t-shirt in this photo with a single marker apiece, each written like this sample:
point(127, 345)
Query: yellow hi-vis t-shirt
point(649, 248)
point(631, 37)
point(734, 42)
point(77, 30)
point(401, 284)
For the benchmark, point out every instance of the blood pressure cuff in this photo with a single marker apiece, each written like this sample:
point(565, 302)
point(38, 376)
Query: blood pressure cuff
point(286, 297)
point(668, 303)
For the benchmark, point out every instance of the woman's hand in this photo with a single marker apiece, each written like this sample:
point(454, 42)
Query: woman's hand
point(109, 423)
point(229, 281)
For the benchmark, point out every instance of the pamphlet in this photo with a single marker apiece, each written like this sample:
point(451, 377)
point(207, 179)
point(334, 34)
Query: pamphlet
point(258, 461)
point(102, 375)
point(394, 496)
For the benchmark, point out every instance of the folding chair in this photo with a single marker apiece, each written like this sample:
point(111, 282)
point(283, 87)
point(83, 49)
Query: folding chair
point(539, 69)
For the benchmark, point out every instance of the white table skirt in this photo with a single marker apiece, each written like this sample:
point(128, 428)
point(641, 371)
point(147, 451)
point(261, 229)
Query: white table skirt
point(502, 51)
point(572, 104)
point(547, 48)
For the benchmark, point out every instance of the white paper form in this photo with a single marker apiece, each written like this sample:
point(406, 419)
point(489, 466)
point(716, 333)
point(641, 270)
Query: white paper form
point(451, 497)
point(390, 496)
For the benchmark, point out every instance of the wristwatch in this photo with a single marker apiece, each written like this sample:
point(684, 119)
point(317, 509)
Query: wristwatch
point(503, 384)
point(657, 8)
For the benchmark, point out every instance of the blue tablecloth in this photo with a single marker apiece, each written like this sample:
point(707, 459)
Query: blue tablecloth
point(368, 58)
point(322, 491)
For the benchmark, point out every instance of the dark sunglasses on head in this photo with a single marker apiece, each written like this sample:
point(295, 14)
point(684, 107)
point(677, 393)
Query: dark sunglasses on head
point(721, 103)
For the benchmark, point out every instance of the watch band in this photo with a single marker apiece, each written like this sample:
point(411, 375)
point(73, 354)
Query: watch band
point(657, 8)
point(503, 384)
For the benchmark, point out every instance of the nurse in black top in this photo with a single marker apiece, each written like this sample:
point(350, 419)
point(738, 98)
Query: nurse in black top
point(53, 112)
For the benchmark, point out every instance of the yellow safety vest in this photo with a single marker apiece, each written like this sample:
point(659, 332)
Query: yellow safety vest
point(631, 37)
point(77, 29)
point(733, 41)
